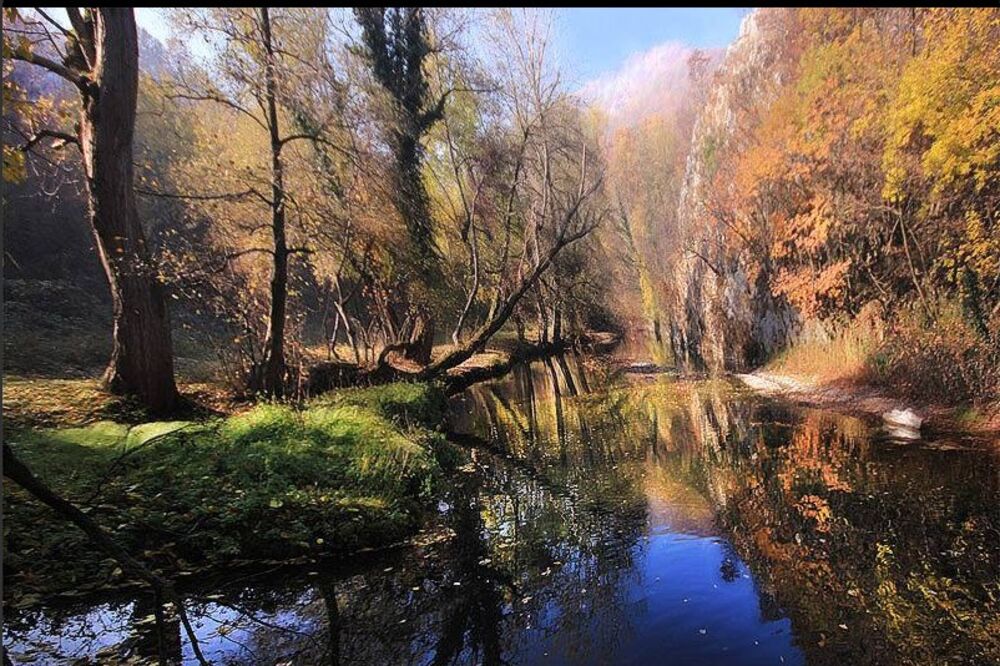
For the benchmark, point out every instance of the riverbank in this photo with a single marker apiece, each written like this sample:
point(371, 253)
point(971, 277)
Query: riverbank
point(354, 469)
point(699, 500)
point(851, 396)
point(228, 482)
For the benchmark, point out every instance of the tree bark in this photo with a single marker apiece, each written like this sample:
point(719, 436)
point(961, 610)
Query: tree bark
point(421, 343)
point(142, 352)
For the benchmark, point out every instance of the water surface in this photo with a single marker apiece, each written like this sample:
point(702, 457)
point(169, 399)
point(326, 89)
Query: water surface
point(602, 517)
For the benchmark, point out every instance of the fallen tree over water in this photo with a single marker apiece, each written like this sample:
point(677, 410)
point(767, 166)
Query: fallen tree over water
point(476, 367)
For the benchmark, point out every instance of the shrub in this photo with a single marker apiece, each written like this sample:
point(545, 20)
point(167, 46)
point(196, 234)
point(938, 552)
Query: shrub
point(942, 360)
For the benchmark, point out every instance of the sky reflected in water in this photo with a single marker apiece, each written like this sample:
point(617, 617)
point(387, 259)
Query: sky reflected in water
point(607, 518)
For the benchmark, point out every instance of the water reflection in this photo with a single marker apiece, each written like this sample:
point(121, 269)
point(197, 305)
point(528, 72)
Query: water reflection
point(629, 520)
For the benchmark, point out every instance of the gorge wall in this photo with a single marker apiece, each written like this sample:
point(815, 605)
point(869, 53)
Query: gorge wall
point(722, 316)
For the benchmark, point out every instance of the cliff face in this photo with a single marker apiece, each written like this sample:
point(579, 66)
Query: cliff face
point(720, 317)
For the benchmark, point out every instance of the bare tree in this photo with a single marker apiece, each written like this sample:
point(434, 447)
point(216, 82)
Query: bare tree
point(553, 182)
point(258, 76)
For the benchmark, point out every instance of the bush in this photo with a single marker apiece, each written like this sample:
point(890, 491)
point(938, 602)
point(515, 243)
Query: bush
point(941, 360)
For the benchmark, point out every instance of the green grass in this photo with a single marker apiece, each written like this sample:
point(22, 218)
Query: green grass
point(352, 470)
point(403, 403)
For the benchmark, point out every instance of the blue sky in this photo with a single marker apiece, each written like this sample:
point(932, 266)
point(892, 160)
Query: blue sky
point(599, 40)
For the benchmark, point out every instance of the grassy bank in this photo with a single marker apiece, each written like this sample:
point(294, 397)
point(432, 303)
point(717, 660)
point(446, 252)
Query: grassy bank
point(350, 470)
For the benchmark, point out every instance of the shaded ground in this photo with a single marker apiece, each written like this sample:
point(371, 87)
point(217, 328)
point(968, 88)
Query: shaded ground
point(353, 469)
point(45, 402)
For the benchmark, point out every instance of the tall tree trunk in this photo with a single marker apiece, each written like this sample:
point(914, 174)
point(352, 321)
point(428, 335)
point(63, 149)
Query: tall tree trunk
point(348, 332)
point(142, 353)
point(332, 340)
point(272, 380)
point(396, 42)
point(413, 207)
point(543, 318)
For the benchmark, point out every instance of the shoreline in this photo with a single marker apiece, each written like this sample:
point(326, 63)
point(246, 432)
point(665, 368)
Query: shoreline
point(868, 399)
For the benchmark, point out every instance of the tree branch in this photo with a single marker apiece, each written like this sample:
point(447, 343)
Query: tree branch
point(51, 134)
point(71, 75)
point(225, 196)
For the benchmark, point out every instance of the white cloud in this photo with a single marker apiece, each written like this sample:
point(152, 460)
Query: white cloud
point(651, 82)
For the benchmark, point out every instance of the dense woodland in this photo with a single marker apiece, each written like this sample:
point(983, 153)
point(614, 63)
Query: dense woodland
point(362, 185)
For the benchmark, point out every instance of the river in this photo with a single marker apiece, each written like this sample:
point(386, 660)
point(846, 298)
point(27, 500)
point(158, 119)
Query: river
point(604, 517)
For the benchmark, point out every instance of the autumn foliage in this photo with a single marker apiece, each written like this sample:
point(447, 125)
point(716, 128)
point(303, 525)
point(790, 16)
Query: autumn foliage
point(862, 169)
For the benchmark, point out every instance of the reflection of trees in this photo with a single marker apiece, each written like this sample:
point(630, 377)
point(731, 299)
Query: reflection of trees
point(476, 614)
point(328, 590)
point(150, 638)
point(900, 545)
point(569, 557)
point(563, 507)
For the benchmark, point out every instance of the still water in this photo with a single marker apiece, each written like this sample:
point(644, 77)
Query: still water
point(601, 517)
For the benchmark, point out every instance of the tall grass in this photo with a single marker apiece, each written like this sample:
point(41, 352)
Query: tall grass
point(941, 358)
point(840, 356)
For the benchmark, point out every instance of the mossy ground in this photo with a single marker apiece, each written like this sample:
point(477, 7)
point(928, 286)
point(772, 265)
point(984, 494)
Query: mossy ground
point(349, 470)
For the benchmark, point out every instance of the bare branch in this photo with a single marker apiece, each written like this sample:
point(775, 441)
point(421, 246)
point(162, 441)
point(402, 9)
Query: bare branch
point(71, 75)
point(63, 139)
point(225, 196)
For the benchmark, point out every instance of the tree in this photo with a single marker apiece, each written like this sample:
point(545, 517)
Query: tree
point(100, 58)
point(396, 46)
point(254, 80)
point(552, 186)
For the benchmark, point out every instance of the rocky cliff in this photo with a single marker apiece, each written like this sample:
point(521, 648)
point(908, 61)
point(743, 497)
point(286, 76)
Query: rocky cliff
point(720, 317)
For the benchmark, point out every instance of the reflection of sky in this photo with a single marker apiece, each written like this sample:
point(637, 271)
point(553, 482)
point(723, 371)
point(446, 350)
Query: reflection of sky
point(224, 633)
point(673, 603)
point(52, 638)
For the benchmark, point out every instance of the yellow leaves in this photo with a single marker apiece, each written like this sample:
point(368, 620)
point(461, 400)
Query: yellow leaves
point(874, 106)
point(13, 165)
point(978, 248)
point(946, 110)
